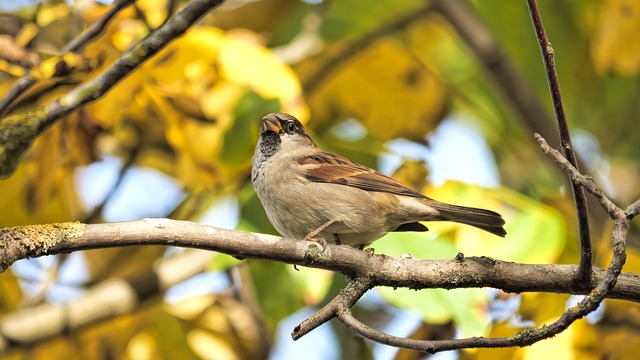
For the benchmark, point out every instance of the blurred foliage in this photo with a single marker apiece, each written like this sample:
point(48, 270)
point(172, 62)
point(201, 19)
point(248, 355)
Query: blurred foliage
point(383, 70)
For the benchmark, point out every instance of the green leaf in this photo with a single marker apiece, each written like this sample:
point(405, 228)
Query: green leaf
point(466, 307)
point(276, 290)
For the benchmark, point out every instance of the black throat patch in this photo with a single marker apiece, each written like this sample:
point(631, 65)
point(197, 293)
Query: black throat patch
point(270, 141)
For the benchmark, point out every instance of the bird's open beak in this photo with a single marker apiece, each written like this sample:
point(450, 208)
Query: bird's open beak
point(271, 123)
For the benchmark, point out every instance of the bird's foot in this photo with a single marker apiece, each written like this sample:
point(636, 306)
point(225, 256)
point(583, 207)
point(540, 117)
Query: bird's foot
point(318, 240)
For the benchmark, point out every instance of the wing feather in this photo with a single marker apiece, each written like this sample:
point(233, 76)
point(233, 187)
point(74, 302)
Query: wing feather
point(330, 168)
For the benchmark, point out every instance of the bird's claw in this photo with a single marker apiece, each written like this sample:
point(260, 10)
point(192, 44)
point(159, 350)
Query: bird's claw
point(319, 240)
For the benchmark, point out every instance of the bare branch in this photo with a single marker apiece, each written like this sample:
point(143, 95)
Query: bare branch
point(586, 252)
point(577, 178)
point(462, 272)
point(18, 132)
point(347, 297)
point(633, 210)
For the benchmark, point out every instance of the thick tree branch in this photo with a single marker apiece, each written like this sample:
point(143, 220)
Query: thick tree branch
point(586, 252)
point(23, 84)
point(19, 131)
point(39, 240)
point(366, 269)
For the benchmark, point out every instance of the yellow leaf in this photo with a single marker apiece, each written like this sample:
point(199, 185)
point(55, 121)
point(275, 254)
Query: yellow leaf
point(259, 69)
point(190, 308)
point(189, 92)
point(154, 11)
point(412, 173)
point(26, 34)
point(130, 31)
point(142, 347)
point(576, 342)
point(11, 292)
point(619, 341)
point(385, 88)
point(616, 41)
point(209, 346)
point(49, 13)
point(539, 307)
point(497, 330)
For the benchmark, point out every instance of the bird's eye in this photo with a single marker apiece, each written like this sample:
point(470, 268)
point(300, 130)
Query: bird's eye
point(291, 127)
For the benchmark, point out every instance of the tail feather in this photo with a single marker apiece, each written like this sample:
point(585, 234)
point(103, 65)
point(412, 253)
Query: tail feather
point(481, 218)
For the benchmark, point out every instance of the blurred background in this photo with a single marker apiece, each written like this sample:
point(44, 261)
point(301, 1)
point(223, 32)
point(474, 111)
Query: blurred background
point(442, 95)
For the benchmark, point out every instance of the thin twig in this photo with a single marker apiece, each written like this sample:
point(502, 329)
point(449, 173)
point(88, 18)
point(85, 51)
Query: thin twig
point(576, 177)
point(97, 210)
point(20, 86)
point(633, 210)
point(346, 298)
point(96, 28)
point(23, 84)
point(586, 252)
point(143, 17)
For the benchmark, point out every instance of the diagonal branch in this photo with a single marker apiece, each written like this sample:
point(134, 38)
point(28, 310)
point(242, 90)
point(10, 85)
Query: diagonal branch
point(19, 131)
point(345, 299)
point(586, 252)
point(576, 177)
point(23, 84)
point(633, 210)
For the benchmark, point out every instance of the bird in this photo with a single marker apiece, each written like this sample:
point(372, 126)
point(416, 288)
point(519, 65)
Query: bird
point(311, 194)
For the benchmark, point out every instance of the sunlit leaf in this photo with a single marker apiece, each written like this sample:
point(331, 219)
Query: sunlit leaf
point(191, 307)
point(616, 41)
point(209, 346)
point(142, 346)
point(12, 292)
point(50, 13)
point(579, 341)
point(535, 232)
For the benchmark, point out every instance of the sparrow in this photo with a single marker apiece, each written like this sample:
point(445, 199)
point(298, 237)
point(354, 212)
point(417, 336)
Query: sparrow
point(311, 194)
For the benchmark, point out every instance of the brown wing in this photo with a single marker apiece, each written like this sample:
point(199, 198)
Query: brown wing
point(329, 168)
